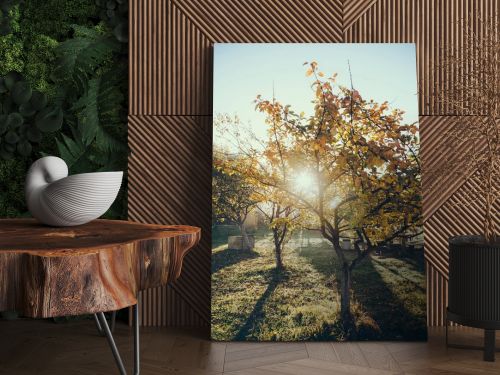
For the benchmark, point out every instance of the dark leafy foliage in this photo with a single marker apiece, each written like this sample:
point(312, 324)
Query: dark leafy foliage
point(115, 13)
point(91, 92)
point(6, 7)
point(24, 116)
point(70, 62)
point(81, 56)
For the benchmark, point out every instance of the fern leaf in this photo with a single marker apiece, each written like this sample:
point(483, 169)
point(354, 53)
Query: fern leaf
point(74, 153)
point(98, 114)
point(80, 56)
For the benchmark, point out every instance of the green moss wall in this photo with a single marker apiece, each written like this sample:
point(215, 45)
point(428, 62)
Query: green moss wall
point(63, 91)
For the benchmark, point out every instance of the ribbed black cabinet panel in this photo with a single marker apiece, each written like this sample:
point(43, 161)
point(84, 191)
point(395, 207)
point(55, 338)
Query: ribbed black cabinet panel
point(474, 283)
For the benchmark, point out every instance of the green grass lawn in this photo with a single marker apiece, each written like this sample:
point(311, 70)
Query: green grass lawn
point(252, 301)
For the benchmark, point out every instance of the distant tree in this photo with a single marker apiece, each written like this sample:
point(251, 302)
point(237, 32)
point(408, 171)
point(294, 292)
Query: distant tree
point(231, 199)
point(277, 208)
point(282, 218)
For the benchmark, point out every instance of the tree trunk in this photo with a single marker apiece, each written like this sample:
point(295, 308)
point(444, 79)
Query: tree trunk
point(345, 301)
point(246, 240)
point(277, 249)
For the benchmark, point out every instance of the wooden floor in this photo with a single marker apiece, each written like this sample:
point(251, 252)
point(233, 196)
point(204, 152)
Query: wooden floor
point(42, 347)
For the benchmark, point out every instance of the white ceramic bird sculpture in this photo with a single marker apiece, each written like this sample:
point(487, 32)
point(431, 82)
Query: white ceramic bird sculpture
point(56, 199)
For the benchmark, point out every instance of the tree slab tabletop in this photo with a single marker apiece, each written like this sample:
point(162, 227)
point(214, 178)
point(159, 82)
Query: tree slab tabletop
point(99, 266)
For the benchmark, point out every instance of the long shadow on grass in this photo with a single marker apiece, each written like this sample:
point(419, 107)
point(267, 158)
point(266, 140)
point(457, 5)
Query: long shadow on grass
point(376, 297)
point(275, 278)
point(400, 275)
point(379, 301)
point(229, 257)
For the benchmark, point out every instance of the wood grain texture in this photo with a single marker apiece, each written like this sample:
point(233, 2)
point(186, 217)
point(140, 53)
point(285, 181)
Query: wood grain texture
point(99, 266)
point(171, 79)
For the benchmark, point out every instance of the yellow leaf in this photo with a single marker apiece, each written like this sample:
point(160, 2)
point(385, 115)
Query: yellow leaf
point(321, 74)
point(309, 72)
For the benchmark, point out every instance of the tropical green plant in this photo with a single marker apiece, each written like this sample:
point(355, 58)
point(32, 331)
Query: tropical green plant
point(6, 7)
point(73, 57)
point(115, 13)
point(91, 95)
point(80, 57)
point(24, 116)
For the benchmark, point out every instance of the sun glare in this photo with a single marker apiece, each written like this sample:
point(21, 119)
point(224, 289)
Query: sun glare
point(304, 182)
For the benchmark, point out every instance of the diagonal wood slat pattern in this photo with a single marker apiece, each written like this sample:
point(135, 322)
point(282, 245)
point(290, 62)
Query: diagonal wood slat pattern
point(170, 163)
point(353, 9)
point(260, 21)
point(171, 62)
point(437, 188)
point(432, 25)
point(461, 214)
point(171, 53)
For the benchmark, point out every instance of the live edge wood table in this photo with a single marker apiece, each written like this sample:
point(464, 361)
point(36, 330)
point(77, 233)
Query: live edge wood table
point(89, 269)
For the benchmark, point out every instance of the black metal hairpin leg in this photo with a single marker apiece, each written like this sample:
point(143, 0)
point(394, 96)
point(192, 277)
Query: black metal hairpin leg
point(103, 324)
point(98, 325)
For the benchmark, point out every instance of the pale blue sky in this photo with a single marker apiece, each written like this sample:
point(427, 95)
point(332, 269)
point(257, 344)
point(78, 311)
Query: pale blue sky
point(379, 71)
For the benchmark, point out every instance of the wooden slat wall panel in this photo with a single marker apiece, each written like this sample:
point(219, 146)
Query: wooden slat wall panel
point(353, 10)
point(262, 21)
point(171, 104)
point(170, 62)
point(432, 25)
point(171, 54)
point(454, 218)
point(437, 296)
point(170, 162)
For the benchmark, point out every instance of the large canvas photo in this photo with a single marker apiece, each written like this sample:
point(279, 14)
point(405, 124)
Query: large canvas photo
point(316, 196)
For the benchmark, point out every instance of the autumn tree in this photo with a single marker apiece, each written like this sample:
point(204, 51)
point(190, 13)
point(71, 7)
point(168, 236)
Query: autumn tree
point(257, 165)
point(362, 163)
point(282, 218)
point(232, 199)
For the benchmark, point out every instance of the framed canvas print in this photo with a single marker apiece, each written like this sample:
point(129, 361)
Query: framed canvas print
point(317, 220)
